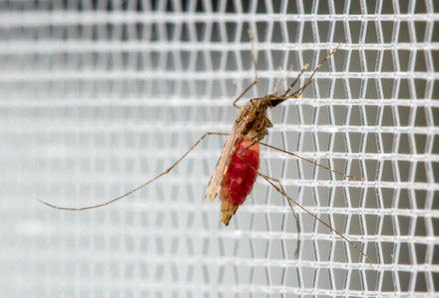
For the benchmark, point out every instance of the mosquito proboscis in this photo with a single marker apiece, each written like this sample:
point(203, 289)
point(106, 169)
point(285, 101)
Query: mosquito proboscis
point(237, 167)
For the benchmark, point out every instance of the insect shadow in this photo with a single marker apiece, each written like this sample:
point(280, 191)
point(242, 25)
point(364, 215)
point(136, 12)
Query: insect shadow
point(237, 167)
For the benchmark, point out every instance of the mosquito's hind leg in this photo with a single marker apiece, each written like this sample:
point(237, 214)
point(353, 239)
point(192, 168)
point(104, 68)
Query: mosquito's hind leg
point(143, 185)
point(250, 34)
point(294, 213)
point(282, 192)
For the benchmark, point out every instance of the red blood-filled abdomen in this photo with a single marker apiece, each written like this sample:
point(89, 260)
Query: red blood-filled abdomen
point(240, 177)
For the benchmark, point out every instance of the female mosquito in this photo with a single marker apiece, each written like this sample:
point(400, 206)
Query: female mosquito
point(237, 167)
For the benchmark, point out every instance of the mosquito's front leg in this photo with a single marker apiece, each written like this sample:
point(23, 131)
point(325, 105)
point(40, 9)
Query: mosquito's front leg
point(143, 185)
point(250, 34)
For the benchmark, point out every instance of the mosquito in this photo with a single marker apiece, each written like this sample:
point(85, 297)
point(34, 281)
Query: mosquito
point(237, 167)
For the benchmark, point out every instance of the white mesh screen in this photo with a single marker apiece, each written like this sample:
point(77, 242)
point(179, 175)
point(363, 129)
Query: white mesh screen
point(97, 97)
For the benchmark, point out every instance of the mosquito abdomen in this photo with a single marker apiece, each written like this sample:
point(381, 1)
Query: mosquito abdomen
point(239, 178)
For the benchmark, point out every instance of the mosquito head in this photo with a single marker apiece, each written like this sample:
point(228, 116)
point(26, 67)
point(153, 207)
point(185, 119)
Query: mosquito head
point(273, 100)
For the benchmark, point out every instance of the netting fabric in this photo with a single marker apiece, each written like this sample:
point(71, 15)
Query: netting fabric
point(97, 97)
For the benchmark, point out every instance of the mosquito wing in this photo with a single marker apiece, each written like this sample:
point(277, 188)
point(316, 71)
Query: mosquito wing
point(223, 164)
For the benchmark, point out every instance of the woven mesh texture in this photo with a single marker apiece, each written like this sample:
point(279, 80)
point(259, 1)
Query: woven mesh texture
point(97, 97)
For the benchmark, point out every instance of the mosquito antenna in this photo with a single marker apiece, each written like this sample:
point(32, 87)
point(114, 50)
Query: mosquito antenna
point(281, 80)
point(280, 99)
point(295, 81)
point(299, 91)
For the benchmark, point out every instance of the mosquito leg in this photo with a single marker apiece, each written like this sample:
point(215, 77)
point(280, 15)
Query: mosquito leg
point(300, 206)
point(143, 185)
point(298, 156)
point(280, 184)
point(252, 51)
point(294, 213)
point(310, 161)
point(321, 221)
point(258, 137)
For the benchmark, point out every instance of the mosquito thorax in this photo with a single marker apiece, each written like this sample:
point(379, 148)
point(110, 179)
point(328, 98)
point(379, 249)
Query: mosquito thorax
point(252, 117)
